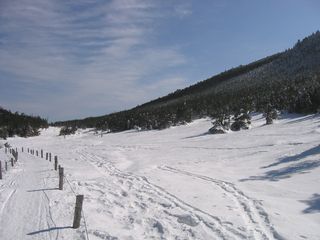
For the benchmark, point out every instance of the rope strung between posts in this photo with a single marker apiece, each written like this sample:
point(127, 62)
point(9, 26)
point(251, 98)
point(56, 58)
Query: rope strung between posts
point(82, 213)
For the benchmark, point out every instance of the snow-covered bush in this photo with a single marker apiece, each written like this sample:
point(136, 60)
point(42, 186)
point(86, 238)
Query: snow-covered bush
point(242, 120)
point(67, 130)
point(221, 124)
point(271, 115)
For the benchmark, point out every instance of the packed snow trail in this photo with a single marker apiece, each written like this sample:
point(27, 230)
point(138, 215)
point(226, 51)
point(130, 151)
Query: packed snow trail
point(25, 207)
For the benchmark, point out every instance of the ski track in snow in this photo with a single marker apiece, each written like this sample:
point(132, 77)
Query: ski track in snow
point(171, 209)
point(257, 220)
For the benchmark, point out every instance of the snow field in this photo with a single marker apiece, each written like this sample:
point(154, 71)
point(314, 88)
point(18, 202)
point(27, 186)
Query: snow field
point(178, 183)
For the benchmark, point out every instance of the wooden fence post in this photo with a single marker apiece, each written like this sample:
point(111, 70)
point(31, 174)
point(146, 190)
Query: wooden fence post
point(55, 162)
point(6, 166)
point(11, 162)
point(41, 153)
point(46, 156)
point(37, 153)
point(77, 211)
point(16, 156)
point(61, 179)
point(22, 149)
point(0, 171)
point(28, 150)
point(50, 157)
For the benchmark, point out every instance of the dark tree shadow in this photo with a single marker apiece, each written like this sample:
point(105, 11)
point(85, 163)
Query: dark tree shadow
point(43, 189)
point(307, 153)
point(286, 172)
point(198, 135)
point(313, 203)
point(48, 230)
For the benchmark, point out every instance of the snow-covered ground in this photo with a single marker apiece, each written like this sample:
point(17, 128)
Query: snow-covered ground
point(178, 183)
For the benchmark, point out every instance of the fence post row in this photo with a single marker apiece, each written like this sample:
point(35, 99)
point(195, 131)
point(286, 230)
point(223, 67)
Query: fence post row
point(79, 198)
point(77, 211)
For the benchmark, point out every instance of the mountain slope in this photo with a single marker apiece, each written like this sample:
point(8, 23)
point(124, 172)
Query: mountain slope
point(287, 81)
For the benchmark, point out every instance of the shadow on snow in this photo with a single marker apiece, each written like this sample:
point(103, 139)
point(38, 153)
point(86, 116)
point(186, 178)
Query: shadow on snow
point(42, 189)
point(313, 203)
point(286, 172)
point(307, 153)
point(48, 230)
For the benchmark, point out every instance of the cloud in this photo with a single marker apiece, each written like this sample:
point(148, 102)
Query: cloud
point(98, 55)
point(183, 10)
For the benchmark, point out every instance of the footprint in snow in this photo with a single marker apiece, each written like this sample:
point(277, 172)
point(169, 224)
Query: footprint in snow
point(187, 219)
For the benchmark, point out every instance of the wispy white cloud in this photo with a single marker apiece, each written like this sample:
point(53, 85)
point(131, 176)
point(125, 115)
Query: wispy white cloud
point(103, 52)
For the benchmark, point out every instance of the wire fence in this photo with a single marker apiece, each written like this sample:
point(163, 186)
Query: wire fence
point(14, 153)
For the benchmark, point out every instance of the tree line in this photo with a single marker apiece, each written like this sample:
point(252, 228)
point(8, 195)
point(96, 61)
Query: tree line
point(20, 124)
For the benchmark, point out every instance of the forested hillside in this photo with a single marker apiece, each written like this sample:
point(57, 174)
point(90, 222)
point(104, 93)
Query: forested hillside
point(19, 124)
point(285, 81)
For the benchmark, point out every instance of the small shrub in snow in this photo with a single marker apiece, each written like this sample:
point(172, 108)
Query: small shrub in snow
point(242, 121)
point(271, 115)
point(220, 125)
point(217, 130)
point(67, 130)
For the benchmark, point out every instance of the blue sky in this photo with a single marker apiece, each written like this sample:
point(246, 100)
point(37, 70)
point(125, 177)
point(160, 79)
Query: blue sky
point(66, 59)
